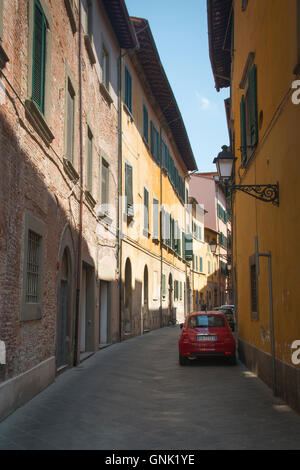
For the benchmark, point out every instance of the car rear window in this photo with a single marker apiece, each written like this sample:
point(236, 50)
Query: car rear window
point(207, 321)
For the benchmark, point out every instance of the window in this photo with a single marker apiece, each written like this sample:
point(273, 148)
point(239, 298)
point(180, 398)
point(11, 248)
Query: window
point(249, 117)
point(145, 124)
point(89, 18)
point(104, 183)
point(155, 211)
point(155, 285)
point(128, 191)
point(154, 142)
point(201, 264)
point(69, 4)
point(70, 122)
point(208, 267)
point(128, 90)
point(39, 57)
point(89, 165)
point(3, 56)
point(146, 210)
point(180, 294)
point(105, 68)
point(32, 268)
point(207, 321)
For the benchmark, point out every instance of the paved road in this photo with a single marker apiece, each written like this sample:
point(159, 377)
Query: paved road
point(134, 395)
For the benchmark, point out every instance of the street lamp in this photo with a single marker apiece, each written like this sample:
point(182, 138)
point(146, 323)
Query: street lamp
point(264, 192)
point(213, 247)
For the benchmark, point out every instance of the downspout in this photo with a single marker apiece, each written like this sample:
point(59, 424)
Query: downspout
point(161, 232)
point(79, 249)
point(120, 167)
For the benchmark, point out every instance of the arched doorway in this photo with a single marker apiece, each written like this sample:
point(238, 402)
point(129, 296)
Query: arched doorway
point(63, 323)
point(145, 307)
point(170, 302)
point(127, 297)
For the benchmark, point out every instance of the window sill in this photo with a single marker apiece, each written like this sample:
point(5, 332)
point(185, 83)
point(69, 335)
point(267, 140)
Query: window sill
point(70, 170)
point(155, 240)
point(89, 198)
point(146, 233)
point(37, 120)
point(105, 93)
point(71, 15)
point(3, 58)
point(127, 110)
point(89, 48)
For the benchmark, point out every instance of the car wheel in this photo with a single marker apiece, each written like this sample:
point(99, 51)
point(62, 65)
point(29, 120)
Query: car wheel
point(183, 361)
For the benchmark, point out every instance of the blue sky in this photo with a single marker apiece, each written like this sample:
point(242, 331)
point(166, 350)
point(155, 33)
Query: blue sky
point(179, 29)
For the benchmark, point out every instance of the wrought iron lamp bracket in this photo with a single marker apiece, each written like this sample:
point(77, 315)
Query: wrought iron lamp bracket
point(263, 192)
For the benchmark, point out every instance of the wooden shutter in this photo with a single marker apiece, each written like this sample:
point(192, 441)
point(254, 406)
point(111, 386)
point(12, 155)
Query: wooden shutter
point(164, 285)
point(146, 209)
point(243, 130)
point(104, 182)
point(89, 161)
point(155, 210)
point(128, 190)
point(253, 115)
point(145, 124)
point(39, 57)
point(128, 89)
point(70, 123)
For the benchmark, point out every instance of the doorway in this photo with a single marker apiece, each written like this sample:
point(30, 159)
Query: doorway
point(145, 307)
point(63, 338)
point(103, 312)
point(127, 297)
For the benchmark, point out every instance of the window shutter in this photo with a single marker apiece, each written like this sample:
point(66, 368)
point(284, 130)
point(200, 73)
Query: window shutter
point(145, 123)
point(39, 57)
point(253, 105)
point(243, 130)
point(128, 190)
point(155, 219)
point(70, 123)
point(146, 209)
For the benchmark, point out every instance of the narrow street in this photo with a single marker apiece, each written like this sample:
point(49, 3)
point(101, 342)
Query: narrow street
point(134, 395)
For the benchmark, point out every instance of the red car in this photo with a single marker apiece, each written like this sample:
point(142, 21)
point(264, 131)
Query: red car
point(206, 334)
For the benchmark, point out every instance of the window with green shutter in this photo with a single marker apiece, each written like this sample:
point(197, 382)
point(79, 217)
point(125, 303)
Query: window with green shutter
point(243, 130)
point(201, 264)
point(89, 166)
point(70, 122)
point(253, 115)
point(128, 190)
point(146, 209)
point(145, 124)
point(39, 57)
point(154, 142)
point(155, 211)
point(128, 90)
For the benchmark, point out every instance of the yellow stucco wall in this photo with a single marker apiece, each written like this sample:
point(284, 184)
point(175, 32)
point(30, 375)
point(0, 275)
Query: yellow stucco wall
point(269, 28)
point(143, 250)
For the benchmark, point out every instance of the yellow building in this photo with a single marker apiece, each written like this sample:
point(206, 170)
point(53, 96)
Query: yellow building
point(255, 49)
point(155, 252)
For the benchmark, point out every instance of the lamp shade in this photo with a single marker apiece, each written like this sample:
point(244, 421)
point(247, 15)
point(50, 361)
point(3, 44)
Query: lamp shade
point(224, 163)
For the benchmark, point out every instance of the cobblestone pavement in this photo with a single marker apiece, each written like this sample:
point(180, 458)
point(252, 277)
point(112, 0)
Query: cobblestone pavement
point(134, 395)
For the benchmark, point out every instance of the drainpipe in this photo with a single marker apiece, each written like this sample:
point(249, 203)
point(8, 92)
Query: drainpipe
point(79, 249)
point(120, 166)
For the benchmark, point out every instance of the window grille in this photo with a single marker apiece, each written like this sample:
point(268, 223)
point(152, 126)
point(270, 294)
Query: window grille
point(33, 262)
